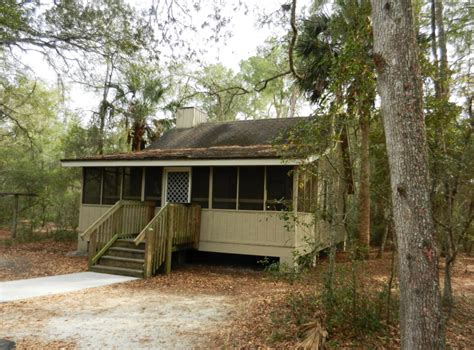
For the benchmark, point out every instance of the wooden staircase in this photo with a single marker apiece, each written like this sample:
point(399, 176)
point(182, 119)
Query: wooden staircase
point(122, 258)
point(113, 249)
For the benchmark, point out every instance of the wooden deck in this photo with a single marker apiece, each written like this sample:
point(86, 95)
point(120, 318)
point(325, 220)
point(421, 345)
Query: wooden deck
point(129, 239)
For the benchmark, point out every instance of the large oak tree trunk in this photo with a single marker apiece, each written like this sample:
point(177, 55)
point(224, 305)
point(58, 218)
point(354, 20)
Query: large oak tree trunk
point(400, 88)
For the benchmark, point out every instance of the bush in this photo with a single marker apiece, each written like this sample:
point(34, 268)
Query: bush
point(348, 304)
point(342, 306)
point(278, 270)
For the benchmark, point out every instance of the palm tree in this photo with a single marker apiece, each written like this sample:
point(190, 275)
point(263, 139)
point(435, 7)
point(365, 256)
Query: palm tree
point(144, 90)
point(328, 49)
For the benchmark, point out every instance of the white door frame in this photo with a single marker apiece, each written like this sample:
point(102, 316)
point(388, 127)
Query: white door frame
point(167, 170)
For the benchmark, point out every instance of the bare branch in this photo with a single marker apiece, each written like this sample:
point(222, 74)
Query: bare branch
point(291, 47)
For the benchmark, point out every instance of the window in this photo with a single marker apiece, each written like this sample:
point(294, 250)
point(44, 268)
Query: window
point(200, 186)
point(153, 176)
point(91, 185)
point(111, 187)
point(251, 180)
point(307, 192)
point(279, 187)
point(132, 183)
point(224, 187)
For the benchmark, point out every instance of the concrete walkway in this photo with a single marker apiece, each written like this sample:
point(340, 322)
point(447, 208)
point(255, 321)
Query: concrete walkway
point(36, 287)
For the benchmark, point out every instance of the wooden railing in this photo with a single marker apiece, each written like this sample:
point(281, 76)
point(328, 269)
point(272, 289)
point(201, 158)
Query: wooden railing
point(124, 218)
point(174, 227)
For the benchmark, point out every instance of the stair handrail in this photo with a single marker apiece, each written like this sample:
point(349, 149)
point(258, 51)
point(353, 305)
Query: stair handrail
point(86, 234)
point(104, 249)
point(142, 235)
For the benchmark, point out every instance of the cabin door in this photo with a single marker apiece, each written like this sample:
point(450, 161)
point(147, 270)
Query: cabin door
point(177, 185)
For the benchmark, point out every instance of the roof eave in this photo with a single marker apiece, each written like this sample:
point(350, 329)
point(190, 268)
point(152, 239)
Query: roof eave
point(72, 163)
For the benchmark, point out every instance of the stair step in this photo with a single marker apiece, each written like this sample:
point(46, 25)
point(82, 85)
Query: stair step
point(128, 243)
point(117, 270)
point(128, 240)
point(120, 258)
point(126, 252)
point(116, 261)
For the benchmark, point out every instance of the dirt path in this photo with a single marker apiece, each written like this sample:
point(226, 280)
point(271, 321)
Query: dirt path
point(112, 318)
point(193, 307)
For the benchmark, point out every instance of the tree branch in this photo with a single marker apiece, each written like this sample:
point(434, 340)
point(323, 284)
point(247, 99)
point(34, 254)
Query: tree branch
point(291, 47)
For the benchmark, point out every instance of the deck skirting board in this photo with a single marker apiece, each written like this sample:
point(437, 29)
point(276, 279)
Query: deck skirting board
point(246, 249)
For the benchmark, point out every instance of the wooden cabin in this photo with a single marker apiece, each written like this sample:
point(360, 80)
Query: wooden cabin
point(211, 186)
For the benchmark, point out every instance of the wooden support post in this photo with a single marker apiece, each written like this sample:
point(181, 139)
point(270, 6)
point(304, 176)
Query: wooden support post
point(150, 244)
point(15, 215)
point(169, 239)
point(196, 226)
point(92, 248)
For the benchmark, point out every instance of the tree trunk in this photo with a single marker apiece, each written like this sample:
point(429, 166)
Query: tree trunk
point(443, 83)
point(138, 133)
point(364, 191)
point(442, 94)
point(102, 114)
point(400, 88)
point(434, 45)
point(15, 215)
point(346, 160)
point(384, 237)
point(103, 107)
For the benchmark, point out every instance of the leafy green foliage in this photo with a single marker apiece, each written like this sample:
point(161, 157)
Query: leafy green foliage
point(29, 157)
point(260, 89)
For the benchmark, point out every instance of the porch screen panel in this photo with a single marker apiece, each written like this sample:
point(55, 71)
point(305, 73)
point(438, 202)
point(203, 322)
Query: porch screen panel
point(153, 183)
point(111, 189)
point(200, 186)
point(251, 180)
point(279, 187)
point(224, 187)
point(92, 183)
point(132, 183)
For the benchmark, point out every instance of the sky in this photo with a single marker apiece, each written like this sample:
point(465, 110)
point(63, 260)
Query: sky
point(246, 38)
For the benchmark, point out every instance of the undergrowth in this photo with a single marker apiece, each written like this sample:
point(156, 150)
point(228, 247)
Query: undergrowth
point(346, 304)
point(26, 236)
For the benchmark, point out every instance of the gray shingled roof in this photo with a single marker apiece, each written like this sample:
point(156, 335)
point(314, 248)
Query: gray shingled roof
point(223, 134)
point(214, 140)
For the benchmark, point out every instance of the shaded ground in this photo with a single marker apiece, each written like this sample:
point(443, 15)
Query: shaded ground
point(210, 306)
point(20, 260)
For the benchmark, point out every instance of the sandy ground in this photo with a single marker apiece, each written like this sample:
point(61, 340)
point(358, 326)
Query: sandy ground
point(197, 306)
point(115, 317)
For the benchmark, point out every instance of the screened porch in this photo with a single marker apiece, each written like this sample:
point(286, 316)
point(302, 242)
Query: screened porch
point(243, 207)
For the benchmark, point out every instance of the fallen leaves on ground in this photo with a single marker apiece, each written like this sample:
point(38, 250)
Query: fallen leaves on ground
point(260, 299)
point(20, 260)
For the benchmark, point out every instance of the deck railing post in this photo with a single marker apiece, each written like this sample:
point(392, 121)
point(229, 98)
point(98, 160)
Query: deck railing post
point(169, 239)
point(149, 245)
point(196, 226)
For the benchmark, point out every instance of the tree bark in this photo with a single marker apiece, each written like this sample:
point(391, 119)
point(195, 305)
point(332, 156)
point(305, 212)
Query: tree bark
point(400, 88)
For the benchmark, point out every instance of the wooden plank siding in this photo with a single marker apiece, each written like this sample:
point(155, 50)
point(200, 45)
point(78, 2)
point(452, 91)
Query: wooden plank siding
point(89, 213)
